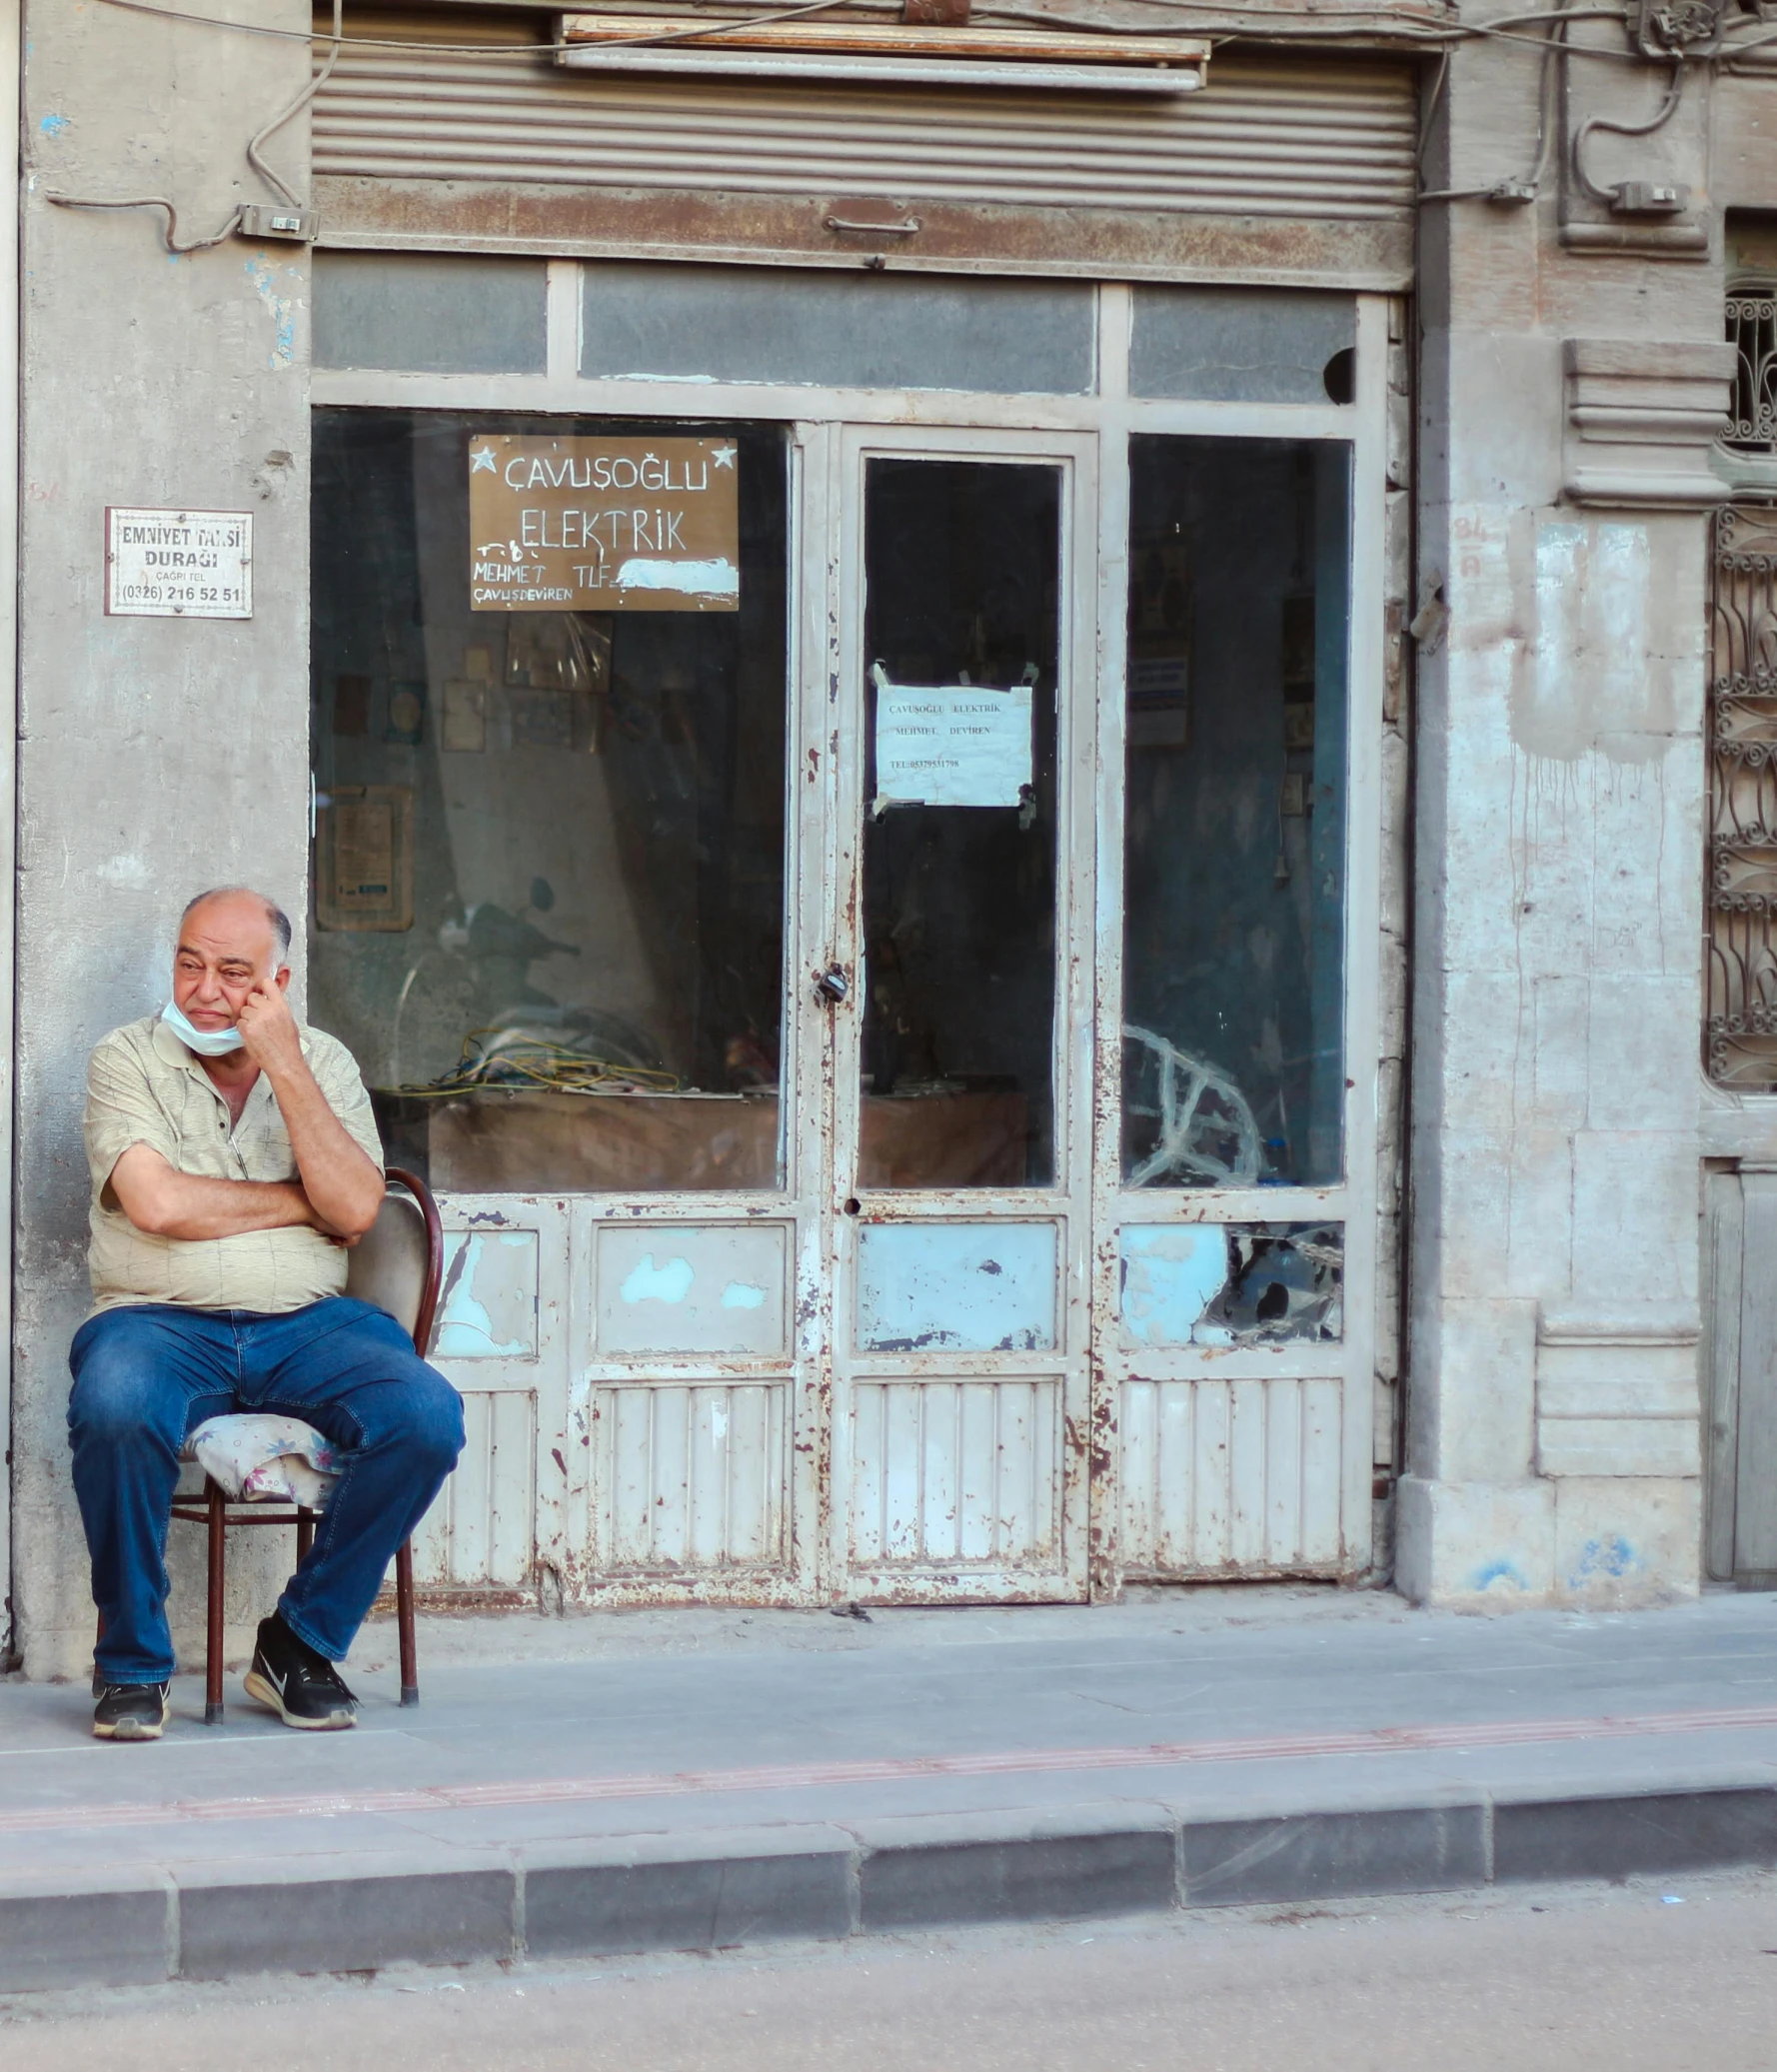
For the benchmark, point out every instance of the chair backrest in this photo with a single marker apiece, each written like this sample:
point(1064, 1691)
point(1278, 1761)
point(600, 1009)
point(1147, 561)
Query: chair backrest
point(398, 1262)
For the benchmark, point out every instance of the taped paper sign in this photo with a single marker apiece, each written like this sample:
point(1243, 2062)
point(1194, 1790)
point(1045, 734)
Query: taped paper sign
point(952, 744)
point(603, 525)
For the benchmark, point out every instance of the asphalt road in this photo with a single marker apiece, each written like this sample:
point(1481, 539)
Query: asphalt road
point(1661, 1978)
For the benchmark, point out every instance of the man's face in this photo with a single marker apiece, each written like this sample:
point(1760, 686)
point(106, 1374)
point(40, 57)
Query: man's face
point(226, 947)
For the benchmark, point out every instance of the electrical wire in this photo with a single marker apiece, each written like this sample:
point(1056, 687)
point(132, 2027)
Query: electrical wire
point(1663, 115)
point(170, 235)
point(1521, 192)
point(472, 50)
point(265, 172)
point(1312, 28)
point(518, 1062)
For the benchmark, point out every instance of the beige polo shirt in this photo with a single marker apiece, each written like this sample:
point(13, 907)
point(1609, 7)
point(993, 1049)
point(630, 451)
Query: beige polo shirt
point(144, 1087)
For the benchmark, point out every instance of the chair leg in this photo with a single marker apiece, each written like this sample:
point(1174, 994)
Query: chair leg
point(213, 1645)
point(404, 1619)
point(305, 1533)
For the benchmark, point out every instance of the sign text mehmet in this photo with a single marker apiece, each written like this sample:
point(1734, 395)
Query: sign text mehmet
point(603, 525)
point(178, 564)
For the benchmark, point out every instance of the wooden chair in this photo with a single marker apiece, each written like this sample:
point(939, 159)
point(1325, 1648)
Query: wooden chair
point(397, 1266)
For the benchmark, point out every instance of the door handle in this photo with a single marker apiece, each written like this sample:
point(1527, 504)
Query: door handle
point(833, 986)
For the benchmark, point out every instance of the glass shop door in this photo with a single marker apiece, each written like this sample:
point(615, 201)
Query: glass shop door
point(958, 995)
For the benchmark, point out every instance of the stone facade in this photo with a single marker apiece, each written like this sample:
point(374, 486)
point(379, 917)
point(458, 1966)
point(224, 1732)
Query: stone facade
point(1573, 381)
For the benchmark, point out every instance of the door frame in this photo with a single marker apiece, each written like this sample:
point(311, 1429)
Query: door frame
point(819, 424)
point(853, 1208)
point(1355, 1199)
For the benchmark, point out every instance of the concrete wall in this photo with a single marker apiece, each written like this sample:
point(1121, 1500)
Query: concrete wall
point(156, 756)
point(1567, 390)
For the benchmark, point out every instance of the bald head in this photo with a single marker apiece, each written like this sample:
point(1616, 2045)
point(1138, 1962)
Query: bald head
point(246, 900)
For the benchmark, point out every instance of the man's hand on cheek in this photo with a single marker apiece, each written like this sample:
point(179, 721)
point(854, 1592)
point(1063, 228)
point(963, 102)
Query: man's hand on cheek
point(268, 1028)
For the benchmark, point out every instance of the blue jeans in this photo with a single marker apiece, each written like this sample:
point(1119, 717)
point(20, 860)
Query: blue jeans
point(146, 1376)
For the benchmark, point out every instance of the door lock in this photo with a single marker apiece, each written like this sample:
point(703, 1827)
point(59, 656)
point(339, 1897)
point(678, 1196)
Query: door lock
point(833, 986)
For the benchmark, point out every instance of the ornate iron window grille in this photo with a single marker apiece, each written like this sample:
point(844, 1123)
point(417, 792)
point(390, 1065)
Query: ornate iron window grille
point(1752, 331)
point(1740, 946)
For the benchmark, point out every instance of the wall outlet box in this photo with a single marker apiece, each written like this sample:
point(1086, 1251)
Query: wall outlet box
point(287, 224)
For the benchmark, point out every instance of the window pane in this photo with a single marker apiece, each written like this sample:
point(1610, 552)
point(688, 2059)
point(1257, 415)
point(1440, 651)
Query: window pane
point(1241, 345)
point(422, 313)
point(549, 844)
point(838, 330)
point(961, 638)
point(1233, 965)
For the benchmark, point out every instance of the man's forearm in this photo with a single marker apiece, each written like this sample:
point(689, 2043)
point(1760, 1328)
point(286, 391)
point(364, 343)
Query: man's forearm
point(186, 1207)
point(341, 1183)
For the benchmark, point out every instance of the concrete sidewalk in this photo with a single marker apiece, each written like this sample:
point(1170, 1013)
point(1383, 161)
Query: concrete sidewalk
point(699, 1780)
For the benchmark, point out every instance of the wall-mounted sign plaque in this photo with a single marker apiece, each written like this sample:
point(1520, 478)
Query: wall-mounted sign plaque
point(603, 525)
point(178, 564)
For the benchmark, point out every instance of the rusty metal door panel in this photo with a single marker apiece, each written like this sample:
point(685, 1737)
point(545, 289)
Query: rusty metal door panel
point(963, 1289)
point(1228, 1478)
point(691, 1480)
point(502, 1339)
point(952, 1476)
point(692, 1288)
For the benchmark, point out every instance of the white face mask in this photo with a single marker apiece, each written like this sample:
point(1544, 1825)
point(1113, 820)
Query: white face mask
point(206, 1042)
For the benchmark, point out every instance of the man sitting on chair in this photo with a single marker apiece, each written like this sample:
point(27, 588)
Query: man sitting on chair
point(234, 1159)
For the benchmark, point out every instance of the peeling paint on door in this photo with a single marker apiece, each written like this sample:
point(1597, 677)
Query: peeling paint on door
point(691, 1287)
point(968, 1288)
point(1171, 1274)
point(646, 1282)
point(489, 1295)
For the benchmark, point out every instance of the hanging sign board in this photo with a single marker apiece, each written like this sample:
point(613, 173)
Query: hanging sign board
point(178, 564)
point(603, 525)
point(951, 745)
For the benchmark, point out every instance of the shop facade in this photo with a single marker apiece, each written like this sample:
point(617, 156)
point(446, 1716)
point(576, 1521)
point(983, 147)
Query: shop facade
point(878, 681)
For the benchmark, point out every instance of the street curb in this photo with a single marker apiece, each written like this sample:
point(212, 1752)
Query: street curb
point(828, 1882)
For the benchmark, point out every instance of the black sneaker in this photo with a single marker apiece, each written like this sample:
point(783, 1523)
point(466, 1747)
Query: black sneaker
point(302, 1688)
point(130, 1711)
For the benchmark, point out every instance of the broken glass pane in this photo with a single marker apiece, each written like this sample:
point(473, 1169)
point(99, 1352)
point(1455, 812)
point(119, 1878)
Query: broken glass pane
point(1233, 1284)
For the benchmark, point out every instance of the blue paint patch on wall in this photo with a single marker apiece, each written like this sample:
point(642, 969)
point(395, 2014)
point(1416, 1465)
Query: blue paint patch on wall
point(1606, 1558)
point(280, 307)
point(1498, 1575)
point(53, 125)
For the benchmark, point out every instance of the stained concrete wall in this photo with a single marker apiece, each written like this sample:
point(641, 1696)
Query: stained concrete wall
point(1554, 1443)
point(156, 756)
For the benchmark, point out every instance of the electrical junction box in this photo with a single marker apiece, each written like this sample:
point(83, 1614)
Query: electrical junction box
point(1677, 28)
point(1649, 197)
point(279, 221)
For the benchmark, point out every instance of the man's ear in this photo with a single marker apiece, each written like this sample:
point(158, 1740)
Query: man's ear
point(282, 979)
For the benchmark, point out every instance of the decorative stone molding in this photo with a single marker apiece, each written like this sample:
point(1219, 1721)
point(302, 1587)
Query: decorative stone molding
point(1617, 1394)
point(1642, 419)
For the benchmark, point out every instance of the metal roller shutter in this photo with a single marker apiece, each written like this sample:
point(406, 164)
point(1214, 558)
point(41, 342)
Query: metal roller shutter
point(1271, 143)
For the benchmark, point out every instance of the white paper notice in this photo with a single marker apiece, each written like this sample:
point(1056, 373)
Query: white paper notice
point(951, 745)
